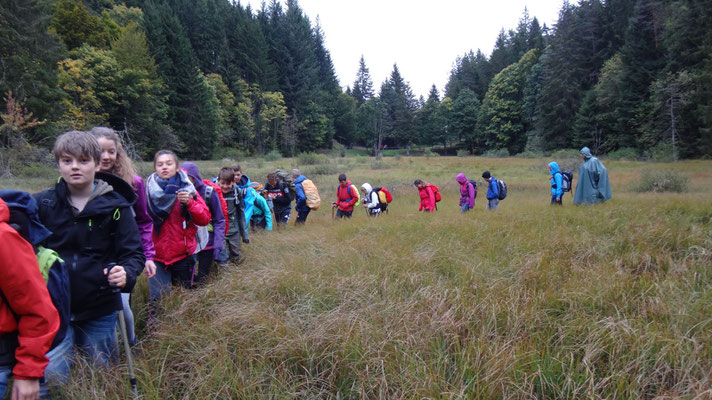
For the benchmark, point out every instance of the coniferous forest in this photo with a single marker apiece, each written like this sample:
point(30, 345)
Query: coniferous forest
point(203, 76)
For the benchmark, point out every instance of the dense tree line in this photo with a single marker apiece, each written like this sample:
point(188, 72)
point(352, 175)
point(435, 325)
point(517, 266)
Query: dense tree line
point(202, 75)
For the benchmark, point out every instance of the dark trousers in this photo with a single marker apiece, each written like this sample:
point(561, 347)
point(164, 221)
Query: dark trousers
point(282, 216)
point(205, 262)
point(302, 216)
point(559, 202)
point(343, 214)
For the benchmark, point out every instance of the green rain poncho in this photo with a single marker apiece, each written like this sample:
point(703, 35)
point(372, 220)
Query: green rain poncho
point(592, 185)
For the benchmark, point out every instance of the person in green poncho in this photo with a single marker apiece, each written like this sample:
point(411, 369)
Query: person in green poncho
point(592, 186)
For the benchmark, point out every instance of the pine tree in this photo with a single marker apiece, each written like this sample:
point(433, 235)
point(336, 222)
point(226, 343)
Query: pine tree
point(400, 106)
point(363, 85)
point(193, 106)
point(28, 61)
point(463, 119)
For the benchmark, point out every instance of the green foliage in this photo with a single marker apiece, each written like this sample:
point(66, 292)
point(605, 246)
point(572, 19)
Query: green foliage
point(230, 153)
point(530, 154)
point(625, 153)
point(462, 153)
point(662, 152)
point(311, 158)
point(76, 26)
point(430, 153)
point(662, 181)
point(273, 155)
point(322, 169)
point(501, 123)
point(498, 153)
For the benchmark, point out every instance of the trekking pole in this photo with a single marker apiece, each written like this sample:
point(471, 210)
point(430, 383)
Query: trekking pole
point(127, 351)
point(332, 211)
point(125, 336)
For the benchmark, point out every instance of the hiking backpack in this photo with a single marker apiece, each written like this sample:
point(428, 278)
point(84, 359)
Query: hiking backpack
point(474, 185)
point(209, 188)
point(436, 192)
point(312, 194)
point(384, 197)
point(348, 190)
point(566, 178)
point(286, 177)
point(502, 189)
point(51, 266)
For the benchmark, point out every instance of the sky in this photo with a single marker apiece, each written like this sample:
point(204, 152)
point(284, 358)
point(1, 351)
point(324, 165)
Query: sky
point(422, 37)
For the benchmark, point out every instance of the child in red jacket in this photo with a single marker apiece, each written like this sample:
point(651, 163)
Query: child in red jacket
point(346, 197)
point(427, 196)
point(177, 211)
point(28, 319)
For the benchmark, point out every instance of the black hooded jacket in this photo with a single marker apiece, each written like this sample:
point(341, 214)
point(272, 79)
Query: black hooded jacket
point(103, 232)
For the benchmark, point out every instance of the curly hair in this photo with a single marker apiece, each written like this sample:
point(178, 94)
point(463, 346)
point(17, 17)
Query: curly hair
point(123, 167)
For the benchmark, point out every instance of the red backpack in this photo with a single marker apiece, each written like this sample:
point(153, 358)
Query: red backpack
point(436, 192)
point(211, 186)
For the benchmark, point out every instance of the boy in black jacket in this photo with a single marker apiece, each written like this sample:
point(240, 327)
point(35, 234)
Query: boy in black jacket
point(95, 233)
point(278, 193)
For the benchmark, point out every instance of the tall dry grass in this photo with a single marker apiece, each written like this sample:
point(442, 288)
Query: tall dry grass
point(531, 301)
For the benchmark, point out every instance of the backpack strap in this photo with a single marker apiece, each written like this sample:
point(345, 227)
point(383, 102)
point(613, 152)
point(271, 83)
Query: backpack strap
point(46, 259)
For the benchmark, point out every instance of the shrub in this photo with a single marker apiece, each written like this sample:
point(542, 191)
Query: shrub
point(273, 155)
point(323, 169)
point(311, 158)
point(662, 152)
point(430, 153)
point(565, 154)
point(462, 153)
point(530, 154)
point(496, 153)
point(624, 153)
point(379, 164)
point(230, 153)
point(662, 181)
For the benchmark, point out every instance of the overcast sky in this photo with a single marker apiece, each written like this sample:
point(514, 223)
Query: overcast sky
point(423, 37)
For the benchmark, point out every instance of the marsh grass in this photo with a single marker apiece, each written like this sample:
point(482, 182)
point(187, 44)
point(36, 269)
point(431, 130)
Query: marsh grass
point(531, 301)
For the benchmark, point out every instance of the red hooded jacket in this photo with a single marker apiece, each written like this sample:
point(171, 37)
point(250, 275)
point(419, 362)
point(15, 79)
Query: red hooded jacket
point(175, 243)
point(22, 284)
point(345, 197)
point(427, 199)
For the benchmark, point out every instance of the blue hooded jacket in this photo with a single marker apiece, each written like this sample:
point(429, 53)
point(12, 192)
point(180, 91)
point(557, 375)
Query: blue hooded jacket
point(557, 180)
point(301, 197)
point(493, 189)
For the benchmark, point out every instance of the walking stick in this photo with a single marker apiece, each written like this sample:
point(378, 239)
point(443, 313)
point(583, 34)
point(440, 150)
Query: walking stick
point(332, 211)
point(127, 350)
point(125, 336)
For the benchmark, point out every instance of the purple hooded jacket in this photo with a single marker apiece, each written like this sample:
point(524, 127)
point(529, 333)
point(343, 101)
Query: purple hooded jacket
point(143, 220)
point(467, 192)
point(217, 218)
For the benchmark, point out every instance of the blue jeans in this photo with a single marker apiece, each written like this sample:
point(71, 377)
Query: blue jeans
point(464, 208)
point(4, 378)
point(61, 359)
point(97, 338)
point(492, 204)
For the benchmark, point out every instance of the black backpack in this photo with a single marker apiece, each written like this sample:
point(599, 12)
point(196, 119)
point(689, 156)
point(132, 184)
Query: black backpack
point(566, 178)
point(502, 189)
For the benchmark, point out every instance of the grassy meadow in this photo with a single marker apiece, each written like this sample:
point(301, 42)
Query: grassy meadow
point(531, 301)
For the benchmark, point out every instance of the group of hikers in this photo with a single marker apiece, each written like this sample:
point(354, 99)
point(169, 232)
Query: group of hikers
point(70, 255)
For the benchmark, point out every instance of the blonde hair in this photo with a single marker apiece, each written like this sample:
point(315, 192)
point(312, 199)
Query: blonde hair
point(123, 167)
